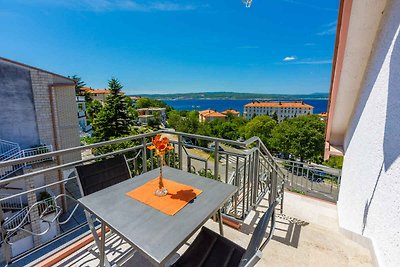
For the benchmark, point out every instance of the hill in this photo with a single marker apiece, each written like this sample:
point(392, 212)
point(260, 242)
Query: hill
point(234, 95)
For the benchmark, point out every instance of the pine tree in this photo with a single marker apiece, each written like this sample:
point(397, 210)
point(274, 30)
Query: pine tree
point(114, 119)
point(79, 84)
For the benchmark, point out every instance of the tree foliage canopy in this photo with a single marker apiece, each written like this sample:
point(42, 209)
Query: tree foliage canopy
point(145, 102)
point(260, 126)
point(78, 83)
point(114, 118)
point(302, 137)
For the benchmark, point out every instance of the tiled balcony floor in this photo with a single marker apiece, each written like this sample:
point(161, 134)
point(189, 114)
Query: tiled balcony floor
point(306, 235)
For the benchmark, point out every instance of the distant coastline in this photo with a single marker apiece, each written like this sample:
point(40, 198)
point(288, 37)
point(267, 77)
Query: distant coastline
point(236, 96)
point(320, 105)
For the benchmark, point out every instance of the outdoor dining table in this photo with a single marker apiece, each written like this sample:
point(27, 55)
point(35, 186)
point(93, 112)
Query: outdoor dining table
point(154, 234)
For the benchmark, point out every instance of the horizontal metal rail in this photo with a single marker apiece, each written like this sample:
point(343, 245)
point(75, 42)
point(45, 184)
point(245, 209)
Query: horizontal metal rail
point(251, 168)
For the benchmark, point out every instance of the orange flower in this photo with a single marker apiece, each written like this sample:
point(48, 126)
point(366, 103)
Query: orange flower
point(160, 144)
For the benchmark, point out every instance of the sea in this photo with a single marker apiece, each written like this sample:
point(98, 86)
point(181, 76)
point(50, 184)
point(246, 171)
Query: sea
point(320, 105)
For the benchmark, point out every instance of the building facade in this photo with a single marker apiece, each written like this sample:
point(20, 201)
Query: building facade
point(84, 128)
point(282, 109)
point(38, 114)
point(146, 114)
point(210, 115)
point(363, 125)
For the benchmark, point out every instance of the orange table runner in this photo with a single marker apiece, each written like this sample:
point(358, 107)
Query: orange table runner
point(177, 198)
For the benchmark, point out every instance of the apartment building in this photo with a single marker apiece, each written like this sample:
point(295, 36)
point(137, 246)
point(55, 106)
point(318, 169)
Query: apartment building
point(282, 109)
point(98, 95)
point(210, 115)
point(84, 128)
point(38, 115)
point(145, 114)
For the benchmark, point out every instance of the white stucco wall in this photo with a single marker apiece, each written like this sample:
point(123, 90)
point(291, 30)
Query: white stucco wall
point(369, 199)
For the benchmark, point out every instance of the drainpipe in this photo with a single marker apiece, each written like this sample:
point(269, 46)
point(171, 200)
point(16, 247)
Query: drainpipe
point(56, 143)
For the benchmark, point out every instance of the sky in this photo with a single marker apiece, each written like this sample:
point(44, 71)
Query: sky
point(167, 46)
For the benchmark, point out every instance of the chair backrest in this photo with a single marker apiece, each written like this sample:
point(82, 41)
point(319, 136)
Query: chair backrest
point(259, 232)
point(99, 175)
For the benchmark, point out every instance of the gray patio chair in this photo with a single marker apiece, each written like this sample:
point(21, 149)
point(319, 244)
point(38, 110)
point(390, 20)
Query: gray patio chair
point(97, 176)
point(210, 249)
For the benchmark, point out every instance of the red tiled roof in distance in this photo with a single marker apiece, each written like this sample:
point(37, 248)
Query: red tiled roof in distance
point(279, 104)
point(206, 111)
point(323, 114)
point(214, 114)
point(231, 111)
point(94, 91)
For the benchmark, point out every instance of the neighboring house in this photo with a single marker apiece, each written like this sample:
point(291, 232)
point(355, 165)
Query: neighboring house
point(282, 109)
point(323, 115)
point(134, 99)
point(84, 128)
point(231, 112)
point(210, 115)
point(145, 114)
point(38, 114)
point(98, 95)
point(363, 124)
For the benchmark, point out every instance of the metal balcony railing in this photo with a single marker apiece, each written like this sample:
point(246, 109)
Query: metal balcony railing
point(25, 153)
point(7, 149)
point(14, 203)
point(247, 165)
point(311, 179)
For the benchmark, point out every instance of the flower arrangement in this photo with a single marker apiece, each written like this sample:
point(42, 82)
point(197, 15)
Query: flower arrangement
point(161, 145)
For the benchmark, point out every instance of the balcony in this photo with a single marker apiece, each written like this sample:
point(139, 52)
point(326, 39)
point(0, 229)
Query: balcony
point(303, 225)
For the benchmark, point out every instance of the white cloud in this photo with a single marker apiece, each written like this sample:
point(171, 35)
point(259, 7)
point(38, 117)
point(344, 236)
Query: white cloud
point(328, 29)
point(313, 62)
point(290, 58)
point(125, 5)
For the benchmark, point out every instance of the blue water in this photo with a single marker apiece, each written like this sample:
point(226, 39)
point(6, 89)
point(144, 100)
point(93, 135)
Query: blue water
point(320, 105)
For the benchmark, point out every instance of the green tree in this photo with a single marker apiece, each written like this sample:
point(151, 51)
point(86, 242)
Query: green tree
point(79, 84)
point(190, 123)
point(92, 109)
point(334, 162)
point(260, 126)
point(145, 102)
point(114, 118)
point(275, 117)
point(174, 119)
point(302, 136)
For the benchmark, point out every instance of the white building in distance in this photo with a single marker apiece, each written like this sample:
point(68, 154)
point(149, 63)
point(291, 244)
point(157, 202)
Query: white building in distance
point(282, 109)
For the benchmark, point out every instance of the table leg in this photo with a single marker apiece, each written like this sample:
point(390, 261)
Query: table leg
point(102, 244)
point(96, 237)
point(221, 229)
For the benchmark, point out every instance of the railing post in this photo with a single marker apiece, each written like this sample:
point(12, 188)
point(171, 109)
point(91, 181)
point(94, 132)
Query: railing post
point(144, 162)
point(256, 160)
point(180, 151)
point(272, 193)
point(216, 160)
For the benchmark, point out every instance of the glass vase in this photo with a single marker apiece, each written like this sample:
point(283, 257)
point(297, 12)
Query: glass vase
point(161, 190)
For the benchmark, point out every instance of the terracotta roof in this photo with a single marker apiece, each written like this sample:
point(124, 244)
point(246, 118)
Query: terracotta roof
point(214, 114)
point(100, 91)
point(232, 111)
point(323, 114)
point(206, 111)
point(279, 104)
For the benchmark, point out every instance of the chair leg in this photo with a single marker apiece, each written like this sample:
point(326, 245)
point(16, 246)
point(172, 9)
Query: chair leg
point(221, 226)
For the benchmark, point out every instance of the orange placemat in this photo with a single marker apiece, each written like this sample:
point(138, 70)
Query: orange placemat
point(177, 198)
